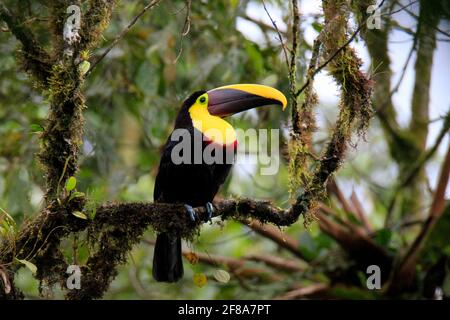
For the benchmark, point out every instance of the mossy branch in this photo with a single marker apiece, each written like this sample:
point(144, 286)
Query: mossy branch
point(355, 106)
point(35, 60)
point(115, 229)
point(62, 136)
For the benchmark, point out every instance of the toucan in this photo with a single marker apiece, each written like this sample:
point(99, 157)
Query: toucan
point(182, 178)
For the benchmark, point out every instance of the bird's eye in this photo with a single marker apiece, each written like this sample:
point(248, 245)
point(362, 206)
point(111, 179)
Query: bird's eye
point(202, 100)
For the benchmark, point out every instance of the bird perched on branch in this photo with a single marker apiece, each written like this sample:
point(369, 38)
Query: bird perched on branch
point(197, 158)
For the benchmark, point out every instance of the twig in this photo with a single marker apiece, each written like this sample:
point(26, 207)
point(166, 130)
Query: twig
point(403, 7)
point(333, 188)
point(277, 262)
point(445, 33)
point(347, 224)
point(360, 212)
point(295, 35)
point(303, 292)
point(186, 29)
point(275, 234)
point(123, 33)
point(402, 74)
point(38, 60)
point(262, 25)
point(280, 37)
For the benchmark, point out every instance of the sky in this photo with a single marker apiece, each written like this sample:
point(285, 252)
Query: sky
point(399, 47)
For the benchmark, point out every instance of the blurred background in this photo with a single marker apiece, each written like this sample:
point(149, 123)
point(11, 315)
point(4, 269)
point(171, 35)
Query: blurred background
point(133, 95)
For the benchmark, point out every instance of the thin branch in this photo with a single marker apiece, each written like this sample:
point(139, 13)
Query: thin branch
point(333, 188)
point(360, 212)
point(122, 34)
point(277, 262)
point(275, 234)
point(295, 36)
point(402, 8)
point(280, 37)
point(352, 227)
point(445, 33)
point(262, 25)
point(405, 67)
point(303, 292)
point(186, 29)
point(38, 61)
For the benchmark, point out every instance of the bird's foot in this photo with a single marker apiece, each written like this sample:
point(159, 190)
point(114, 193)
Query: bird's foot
point(193, 215)
point(209, 210)
point(191, 212)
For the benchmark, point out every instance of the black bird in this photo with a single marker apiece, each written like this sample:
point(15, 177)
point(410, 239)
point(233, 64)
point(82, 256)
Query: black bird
point(197, 158)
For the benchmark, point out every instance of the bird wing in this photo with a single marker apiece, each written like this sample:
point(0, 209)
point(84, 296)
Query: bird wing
point(164, 170)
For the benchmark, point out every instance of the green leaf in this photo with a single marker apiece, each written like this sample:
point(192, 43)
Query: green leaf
point(383, 237)
point(35, 128)
point(8, 216)
point(71, 184)
point(93, 213)
point(79, 214)
point(76, 194)
point(317, 26)
point(6, 226)
point(353, 293)
point(307, 245)
point(446, 251)
point(255, 58)
point(446, 285)
point(29, 265)
point(83, 67)
point(222, 276)
point(437, 242)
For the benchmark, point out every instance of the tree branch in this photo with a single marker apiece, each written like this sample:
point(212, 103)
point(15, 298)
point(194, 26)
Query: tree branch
point(303, 292)
point(275, 234)
point(122, 34)
point(36, 60)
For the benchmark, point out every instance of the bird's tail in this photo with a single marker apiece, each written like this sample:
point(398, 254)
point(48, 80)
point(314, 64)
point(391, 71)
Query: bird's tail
point(167, 260)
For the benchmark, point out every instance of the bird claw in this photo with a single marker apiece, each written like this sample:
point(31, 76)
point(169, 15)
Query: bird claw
point(191, 212)
point(193, 215)
point(210, 210)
